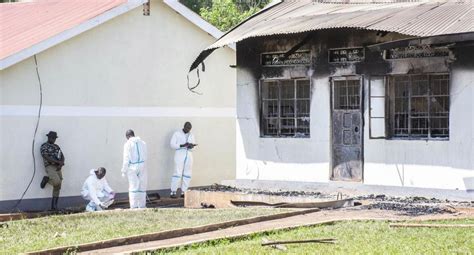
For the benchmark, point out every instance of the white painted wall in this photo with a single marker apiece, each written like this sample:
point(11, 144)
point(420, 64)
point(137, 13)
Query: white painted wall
point(429, 164)
point(129, 72)
point(289, 159)
point(411, 163)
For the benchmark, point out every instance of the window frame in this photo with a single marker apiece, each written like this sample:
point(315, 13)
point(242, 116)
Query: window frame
point(296, 118)
point(385, 119)
point(390, 104)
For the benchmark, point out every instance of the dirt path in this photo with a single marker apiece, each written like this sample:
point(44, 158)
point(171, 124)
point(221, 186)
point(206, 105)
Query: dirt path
point(286, 223)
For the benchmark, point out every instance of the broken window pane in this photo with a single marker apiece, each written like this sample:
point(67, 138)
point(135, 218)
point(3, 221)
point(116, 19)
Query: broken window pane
point(420, 106)
point(302, 127)
point(303, 89)
point(270, 126)
point(287, 127)
point(346, 95)
point(285, 108)
point(269, 90)
point(302, 106)
point(270, 108)
point(287, 89)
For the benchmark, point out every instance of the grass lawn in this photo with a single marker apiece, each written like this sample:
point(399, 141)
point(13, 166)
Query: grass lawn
point(356, 237)
point(54, 231)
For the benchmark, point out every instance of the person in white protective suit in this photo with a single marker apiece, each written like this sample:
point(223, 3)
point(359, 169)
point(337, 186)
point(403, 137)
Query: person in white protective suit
point(134, 167)
point(182, 142)
point(97, 191)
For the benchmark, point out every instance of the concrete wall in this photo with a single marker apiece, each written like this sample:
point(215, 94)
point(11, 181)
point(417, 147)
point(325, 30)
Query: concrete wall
point(127, 73)
point(421, 163)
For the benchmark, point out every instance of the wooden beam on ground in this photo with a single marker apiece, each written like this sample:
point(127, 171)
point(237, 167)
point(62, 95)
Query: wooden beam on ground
point(404, 225)
point(324, 240)
point(321, 204)
point(276, 246)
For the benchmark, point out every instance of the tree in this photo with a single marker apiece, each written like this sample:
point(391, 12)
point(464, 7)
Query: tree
point(196, 5)
point(225, 14)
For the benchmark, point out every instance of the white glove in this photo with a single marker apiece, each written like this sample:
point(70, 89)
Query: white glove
point(123, 174)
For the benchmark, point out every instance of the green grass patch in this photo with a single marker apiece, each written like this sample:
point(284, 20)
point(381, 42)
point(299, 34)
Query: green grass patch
point(353, 237)
point(55, 231)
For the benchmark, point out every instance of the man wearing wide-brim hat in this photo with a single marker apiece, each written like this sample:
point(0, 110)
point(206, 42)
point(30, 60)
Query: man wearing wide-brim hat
point(53, 159)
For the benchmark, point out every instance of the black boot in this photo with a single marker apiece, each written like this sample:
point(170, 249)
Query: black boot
point(54, 204)
point(44, 182)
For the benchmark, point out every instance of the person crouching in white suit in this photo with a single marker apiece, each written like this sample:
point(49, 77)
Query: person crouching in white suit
point(97, 191)
point(182, 142)
point(134, 167)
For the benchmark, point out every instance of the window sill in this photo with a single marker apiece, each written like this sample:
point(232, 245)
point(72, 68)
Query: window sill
point(417, 139)
point(287, 137)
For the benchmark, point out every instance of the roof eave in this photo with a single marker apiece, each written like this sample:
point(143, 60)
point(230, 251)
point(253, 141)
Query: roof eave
point(65, 35)
point(194, 18)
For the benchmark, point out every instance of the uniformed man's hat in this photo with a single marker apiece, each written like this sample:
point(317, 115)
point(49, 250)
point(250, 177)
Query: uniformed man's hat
point(52, 134)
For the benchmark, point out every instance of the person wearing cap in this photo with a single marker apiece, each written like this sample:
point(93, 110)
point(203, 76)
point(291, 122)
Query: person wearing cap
point(53, 159)
point(97, 191)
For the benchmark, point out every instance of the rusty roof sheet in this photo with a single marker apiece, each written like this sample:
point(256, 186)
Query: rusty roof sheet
point(414, 18)
point(25, 24)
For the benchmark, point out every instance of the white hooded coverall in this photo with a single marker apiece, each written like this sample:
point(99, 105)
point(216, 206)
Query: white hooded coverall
point(97, 191)
point(183, 160)
point(134, 166)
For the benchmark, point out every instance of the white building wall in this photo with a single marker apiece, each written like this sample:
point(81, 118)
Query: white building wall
point(291, 159)
point(444, 164)
point(127, 73)
point(430, 164)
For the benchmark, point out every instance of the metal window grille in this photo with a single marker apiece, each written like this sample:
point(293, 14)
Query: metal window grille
point(346, 95)
point(285, 108)
point(419, 106)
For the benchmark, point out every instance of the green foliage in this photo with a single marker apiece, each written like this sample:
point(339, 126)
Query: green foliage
point(196, 5)
point(225, 14)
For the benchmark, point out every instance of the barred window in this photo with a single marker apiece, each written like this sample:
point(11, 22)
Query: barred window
point(285, 108)
point(419, 106)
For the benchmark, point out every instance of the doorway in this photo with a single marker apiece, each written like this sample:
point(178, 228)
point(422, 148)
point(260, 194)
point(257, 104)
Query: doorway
point(347, 129)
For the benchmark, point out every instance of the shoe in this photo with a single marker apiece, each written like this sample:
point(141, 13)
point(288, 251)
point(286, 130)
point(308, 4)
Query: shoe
point(44, 182)
point(182, 195)
point(173, 195)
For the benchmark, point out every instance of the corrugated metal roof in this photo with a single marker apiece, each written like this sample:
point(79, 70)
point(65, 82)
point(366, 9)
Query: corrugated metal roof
point(414, 18)
point(25, 24)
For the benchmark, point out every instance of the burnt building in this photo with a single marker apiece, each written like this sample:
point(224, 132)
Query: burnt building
point(377, 92)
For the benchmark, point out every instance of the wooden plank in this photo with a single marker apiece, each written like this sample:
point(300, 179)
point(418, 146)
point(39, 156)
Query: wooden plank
point(403, 225)
point(322, 204)
point(324, 240)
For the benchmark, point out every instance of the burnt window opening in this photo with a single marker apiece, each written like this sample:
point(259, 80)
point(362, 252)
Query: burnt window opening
point(347, 95)
point(285, 108)
point(419, 106)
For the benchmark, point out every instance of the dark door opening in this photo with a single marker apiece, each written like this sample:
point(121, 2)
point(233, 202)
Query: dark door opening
point(346, 129)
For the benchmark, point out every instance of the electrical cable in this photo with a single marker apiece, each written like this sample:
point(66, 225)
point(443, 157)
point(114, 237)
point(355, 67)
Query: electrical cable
point(192, 89)
point(34, 136)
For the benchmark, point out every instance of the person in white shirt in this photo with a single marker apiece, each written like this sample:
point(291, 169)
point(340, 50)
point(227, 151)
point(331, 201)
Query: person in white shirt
point(134, 167)
point(182, 142)
point(97, 191)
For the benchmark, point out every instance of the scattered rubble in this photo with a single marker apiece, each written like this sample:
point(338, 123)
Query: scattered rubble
point(285, 193)
point(410, 206)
